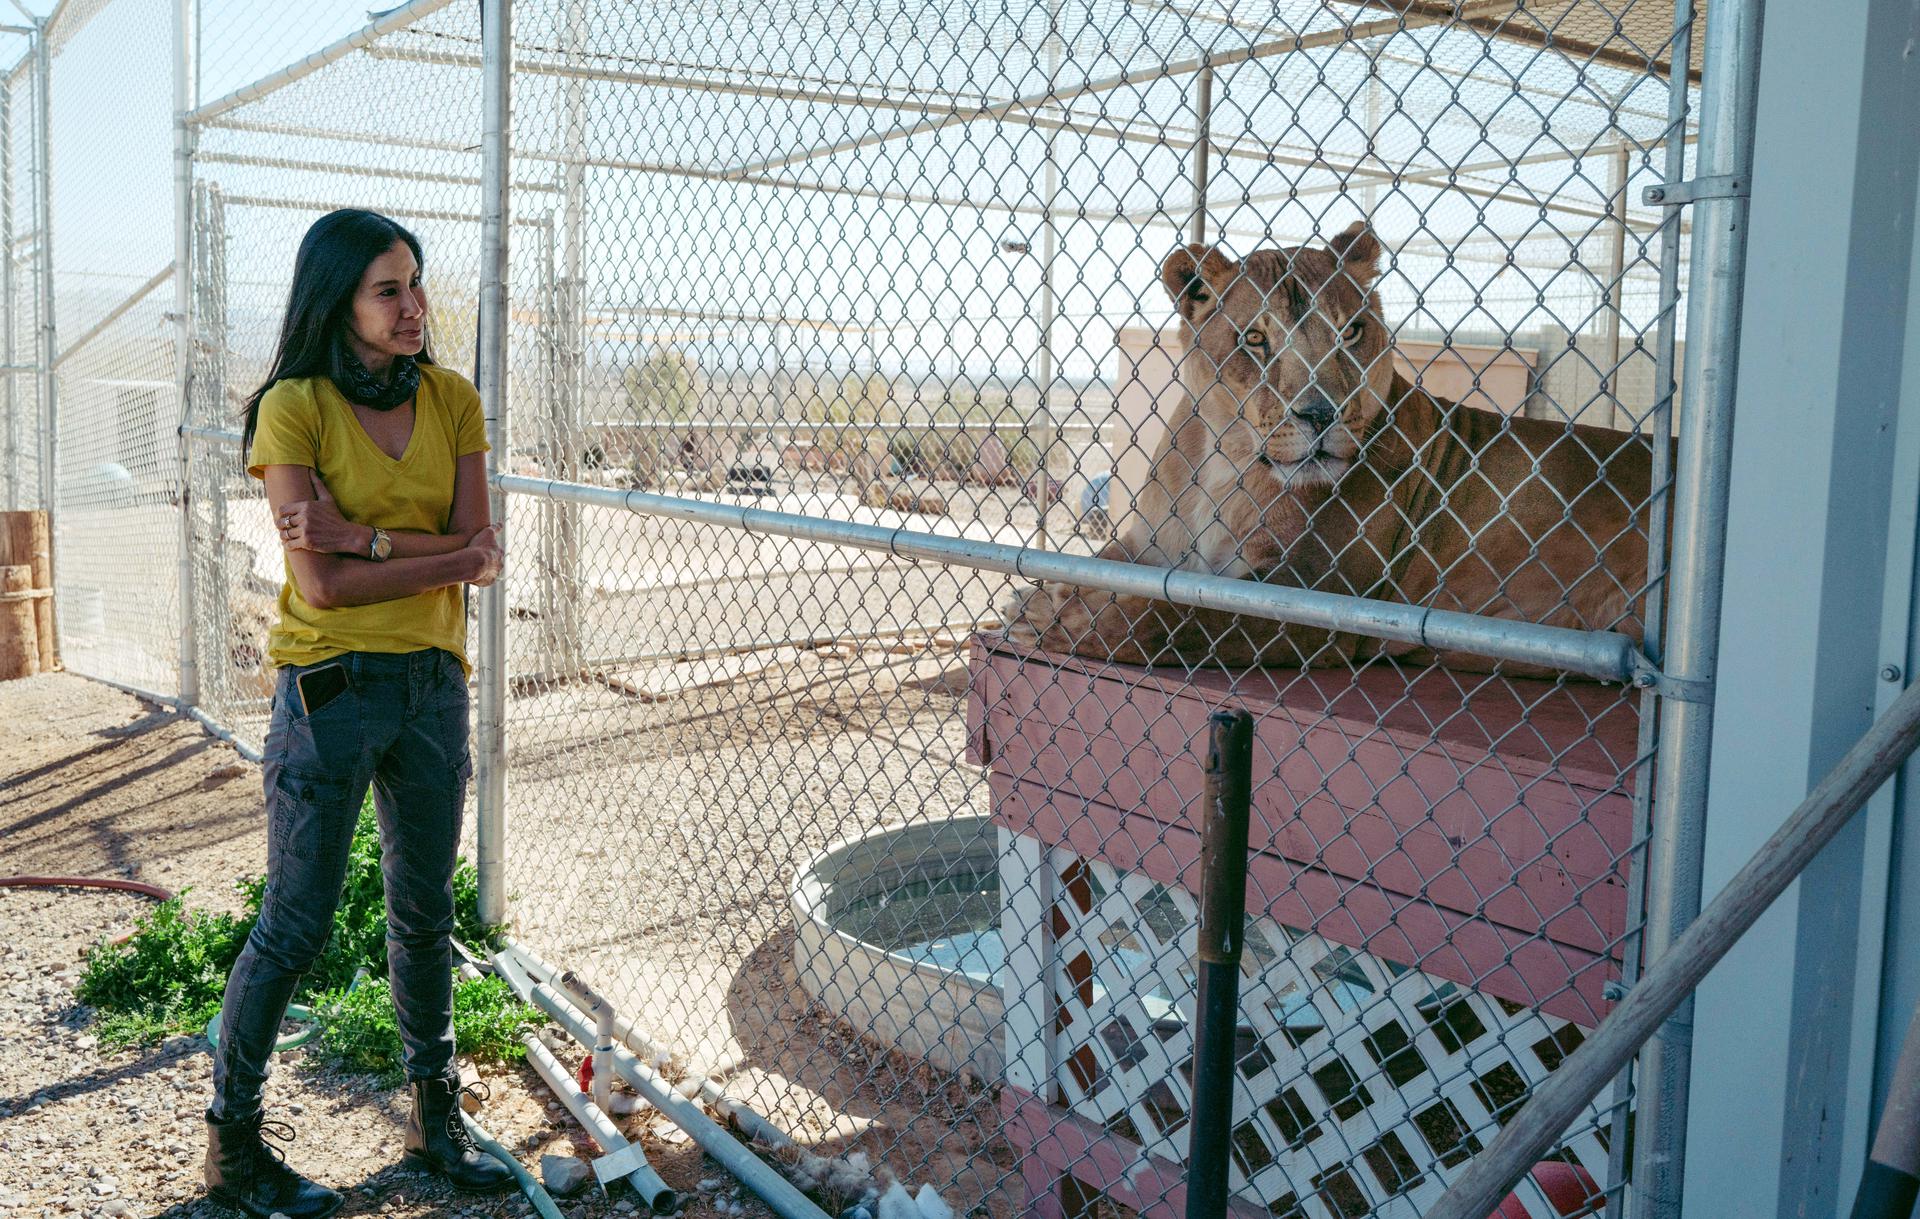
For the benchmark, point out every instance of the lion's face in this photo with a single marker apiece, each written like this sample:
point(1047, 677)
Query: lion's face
point(1286, 351)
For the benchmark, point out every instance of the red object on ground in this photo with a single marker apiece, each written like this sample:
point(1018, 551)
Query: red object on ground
point(585, 1075)
point(1570, 1189)
point(84, 882)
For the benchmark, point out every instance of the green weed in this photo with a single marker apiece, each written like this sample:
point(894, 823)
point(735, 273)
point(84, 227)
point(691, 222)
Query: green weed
point(167, 978)
point(361, 1035)
point(169, 975)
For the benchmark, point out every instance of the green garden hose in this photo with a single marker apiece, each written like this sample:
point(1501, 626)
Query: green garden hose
point(310, 1028)
point(536, 1194)
point(311, 1025)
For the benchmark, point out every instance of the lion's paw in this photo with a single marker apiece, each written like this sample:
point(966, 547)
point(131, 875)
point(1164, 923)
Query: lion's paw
point(1025, 616)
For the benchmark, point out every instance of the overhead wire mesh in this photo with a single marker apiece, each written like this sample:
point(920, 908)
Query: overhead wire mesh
point(910, 883)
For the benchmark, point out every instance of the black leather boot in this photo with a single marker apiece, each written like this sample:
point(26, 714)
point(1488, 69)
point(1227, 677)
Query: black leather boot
point(244, 1172)
point(438, 1139)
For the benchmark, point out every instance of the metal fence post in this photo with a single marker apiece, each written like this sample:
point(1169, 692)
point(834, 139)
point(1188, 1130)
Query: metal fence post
point(183, 140)
point(1202, 147)
point(1659, 423)
point(43, 274)
point(1225, 809)
point(491, 365)
point(7, 397)
point(1049, 302)
point(1722, 169)
point(563, 641)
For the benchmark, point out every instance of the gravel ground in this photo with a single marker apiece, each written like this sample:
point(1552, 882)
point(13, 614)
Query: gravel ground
point(652, 847)
point(95, 782)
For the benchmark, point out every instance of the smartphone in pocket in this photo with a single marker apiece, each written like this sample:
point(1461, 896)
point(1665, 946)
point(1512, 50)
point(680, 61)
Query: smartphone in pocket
point(320, 686)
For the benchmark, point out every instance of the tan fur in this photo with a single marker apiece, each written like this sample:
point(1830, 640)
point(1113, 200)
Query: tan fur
point(1396, 495)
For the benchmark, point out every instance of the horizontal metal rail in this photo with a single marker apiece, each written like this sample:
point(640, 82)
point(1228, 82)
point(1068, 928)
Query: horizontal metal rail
point(1606, 655)
point(862, 427)
point(688, 81)
point(361, 171)
point(214, 727)
point(1131, 78)
point(320, 205)
point(213, 435)
point(366, 36)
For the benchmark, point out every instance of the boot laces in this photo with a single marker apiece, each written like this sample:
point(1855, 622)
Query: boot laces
point(456, 1127)
point(269, 1157)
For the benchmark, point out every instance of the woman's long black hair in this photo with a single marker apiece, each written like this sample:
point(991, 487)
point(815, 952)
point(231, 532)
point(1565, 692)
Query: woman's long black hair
point(326, 273)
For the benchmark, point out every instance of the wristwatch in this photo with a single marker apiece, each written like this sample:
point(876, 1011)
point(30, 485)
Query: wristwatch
point(381, 546)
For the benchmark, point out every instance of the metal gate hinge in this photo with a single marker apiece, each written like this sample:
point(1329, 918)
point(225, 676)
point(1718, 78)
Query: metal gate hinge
point(1679, 194)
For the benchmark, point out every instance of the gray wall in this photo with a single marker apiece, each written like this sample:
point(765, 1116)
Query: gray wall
point(1795, 1030)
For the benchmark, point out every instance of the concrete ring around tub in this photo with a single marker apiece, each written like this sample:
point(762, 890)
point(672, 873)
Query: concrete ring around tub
point(898, 935)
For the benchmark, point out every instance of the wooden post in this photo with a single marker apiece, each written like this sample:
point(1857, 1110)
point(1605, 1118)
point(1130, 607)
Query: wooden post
point(19, 646)
point(26, 539)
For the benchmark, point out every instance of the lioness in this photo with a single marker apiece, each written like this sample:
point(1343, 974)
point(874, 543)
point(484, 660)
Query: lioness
point(1300, 457)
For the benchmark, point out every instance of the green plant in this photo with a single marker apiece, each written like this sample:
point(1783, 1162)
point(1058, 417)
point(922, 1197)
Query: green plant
point(167, 976)
point(361, 1035)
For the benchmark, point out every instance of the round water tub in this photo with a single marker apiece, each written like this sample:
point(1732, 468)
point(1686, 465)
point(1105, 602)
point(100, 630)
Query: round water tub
point(899, 935)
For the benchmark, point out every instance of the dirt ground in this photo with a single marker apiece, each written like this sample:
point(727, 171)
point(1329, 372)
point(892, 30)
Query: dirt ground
point(95, 782)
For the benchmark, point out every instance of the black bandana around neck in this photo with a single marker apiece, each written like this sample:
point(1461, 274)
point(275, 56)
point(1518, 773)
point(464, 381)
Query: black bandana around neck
point(370, 389)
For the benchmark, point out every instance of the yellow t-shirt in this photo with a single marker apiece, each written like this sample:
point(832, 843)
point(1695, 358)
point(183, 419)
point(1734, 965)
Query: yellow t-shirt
point(306, 422)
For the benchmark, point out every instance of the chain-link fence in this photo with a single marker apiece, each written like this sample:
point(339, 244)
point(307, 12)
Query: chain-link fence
point(20, 161)
point(830, 329)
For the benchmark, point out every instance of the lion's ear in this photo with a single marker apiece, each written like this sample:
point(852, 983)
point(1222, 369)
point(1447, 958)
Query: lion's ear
point(1195, 276)
point(1357, 251)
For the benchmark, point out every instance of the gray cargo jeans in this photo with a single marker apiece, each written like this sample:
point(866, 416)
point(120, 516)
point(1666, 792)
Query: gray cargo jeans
point(401, 726)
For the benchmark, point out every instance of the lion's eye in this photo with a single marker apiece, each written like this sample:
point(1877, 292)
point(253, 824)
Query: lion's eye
point(1355, 328)
point(1255, 338)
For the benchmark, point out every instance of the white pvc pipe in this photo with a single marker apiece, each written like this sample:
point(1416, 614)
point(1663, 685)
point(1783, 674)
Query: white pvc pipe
point(602, 1012)
point(772, 1188)
point(645, 1181)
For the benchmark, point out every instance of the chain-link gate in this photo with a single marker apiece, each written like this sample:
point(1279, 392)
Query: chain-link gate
point(896, 399)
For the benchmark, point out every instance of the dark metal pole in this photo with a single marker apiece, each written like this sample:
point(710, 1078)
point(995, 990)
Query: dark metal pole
point(1223, 918)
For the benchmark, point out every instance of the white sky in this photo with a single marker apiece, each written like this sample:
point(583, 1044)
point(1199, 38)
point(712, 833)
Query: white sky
point(937, 279)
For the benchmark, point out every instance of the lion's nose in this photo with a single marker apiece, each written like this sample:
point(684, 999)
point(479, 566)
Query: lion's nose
point(1316, 409)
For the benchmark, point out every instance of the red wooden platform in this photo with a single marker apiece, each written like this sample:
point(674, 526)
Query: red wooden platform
point(1473, 827)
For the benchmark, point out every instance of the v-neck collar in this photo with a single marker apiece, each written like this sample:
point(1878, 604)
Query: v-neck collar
point(360, 430)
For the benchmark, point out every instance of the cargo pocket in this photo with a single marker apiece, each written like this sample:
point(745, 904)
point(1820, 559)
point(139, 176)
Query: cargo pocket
point(312, 815)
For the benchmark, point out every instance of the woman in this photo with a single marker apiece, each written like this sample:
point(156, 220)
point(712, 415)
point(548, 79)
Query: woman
point(373, 459)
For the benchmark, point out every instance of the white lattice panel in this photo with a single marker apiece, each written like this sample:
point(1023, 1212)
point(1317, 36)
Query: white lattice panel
point(1364, 1086)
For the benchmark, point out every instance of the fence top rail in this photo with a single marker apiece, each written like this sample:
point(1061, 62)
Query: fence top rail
point(1606, 655)
point(395, 19)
